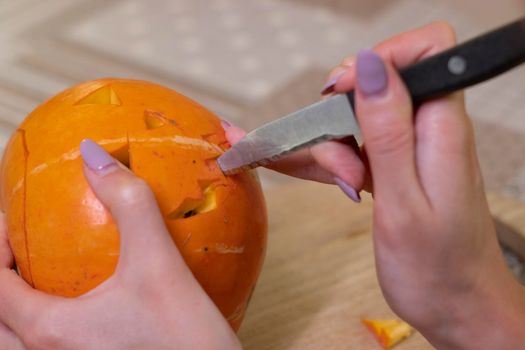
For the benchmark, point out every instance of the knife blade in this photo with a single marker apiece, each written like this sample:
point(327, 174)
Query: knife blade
point(472, 62)
point(325, 120)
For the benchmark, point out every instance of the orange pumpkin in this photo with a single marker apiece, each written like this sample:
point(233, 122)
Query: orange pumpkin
point(64, 239)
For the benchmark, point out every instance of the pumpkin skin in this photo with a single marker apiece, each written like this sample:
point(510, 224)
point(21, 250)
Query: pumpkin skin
point(65, 241)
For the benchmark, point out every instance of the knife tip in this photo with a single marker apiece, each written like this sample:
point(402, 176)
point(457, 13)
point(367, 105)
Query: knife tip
point(228, 160)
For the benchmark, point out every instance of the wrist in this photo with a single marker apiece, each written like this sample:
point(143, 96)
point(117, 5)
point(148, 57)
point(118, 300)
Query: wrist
point(490, 316)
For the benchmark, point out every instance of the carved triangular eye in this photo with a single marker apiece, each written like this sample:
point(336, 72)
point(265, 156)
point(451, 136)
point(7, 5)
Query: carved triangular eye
point(154, 119)
point(103, 96)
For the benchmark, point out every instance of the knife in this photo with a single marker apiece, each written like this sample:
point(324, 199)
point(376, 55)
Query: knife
point(472, 62)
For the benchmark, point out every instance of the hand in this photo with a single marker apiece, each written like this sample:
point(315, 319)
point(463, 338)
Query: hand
point(438, 260)
point(151, 302)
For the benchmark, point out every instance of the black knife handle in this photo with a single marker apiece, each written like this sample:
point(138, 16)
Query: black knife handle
point(472, 62)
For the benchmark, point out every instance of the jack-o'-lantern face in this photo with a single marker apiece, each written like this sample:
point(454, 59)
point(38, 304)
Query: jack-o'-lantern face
point(64, 239)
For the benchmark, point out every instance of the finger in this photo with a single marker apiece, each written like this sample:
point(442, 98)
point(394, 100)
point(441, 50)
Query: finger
point(322, 162)
point(8, 340)
point(333, 76)
point(384, 111)
point(342, 161)
point(368, 185)
point(446, 154)
point(406, 49)
point(6, 256)
point(348, 61)
point(302, 165)
point(445, 146)
point(145, 244)
point(331, 162)
point(20, 305)
point(337, 73)
point(445, 142)
point(410, 47)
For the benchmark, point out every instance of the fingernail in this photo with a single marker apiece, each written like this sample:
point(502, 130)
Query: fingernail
point(225, 124)
point(329, 86)
point(95, 157)
point(371, 73)
point(348, 190)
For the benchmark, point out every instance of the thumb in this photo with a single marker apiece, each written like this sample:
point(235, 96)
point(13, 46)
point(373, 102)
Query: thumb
point(145, 243)
point(384, 111)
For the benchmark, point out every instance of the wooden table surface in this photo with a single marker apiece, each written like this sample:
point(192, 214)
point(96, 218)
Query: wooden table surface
point(319, 276)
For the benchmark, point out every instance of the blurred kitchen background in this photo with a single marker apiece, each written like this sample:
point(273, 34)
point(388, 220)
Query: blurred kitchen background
point(247, 60)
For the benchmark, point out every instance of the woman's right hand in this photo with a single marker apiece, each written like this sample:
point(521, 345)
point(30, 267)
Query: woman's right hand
point(437, 256)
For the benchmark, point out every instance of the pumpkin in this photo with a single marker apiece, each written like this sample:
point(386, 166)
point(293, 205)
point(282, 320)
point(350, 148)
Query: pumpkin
point(389, 332)
point(65, 241)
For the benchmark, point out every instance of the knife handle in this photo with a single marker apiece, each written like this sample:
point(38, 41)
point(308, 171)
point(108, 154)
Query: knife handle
point(472, 62)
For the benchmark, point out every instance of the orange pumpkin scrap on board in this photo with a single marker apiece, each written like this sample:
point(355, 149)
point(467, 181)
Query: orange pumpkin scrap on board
point(389, 332)
point(65, 241)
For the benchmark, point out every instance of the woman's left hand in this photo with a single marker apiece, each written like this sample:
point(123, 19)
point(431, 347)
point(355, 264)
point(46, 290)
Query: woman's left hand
point(152, 301)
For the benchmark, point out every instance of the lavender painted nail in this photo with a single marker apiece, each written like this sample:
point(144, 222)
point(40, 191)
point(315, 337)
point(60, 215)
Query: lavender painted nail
point(348, 190)
point(331, 83)
point(371, 73)
point(95, 157)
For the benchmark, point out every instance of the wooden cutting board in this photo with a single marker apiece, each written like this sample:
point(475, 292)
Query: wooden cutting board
point(319, 278)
